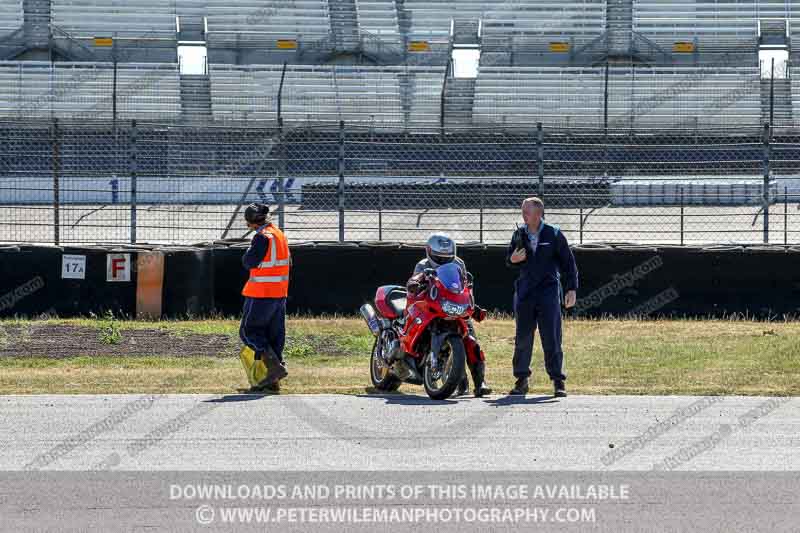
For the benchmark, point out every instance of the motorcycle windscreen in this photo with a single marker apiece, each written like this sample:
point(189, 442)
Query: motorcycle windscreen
point(450, 276)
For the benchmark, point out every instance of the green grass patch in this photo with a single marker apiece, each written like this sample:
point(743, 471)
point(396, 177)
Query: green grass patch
point(331, 354)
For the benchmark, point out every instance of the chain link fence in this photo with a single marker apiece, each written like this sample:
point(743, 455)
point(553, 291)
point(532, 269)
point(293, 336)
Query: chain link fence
point(128, 182)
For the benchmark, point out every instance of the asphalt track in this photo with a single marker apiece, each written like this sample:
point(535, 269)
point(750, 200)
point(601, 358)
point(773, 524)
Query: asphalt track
point(127, 463)
point(187, 224)
point(333, 432)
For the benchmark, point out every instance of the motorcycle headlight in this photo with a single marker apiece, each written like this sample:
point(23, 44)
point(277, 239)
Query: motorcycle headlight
point(454, 309)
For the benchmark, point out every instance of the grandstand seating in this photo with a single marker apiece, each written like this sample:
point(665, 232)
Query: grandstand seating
point(425, 87)
point(687, 97)
point(249, 20)
point(522, 22)
point(795, 90)
point(365, 95)
point(430, 19)
point(378, 18)
point(684, 97)
point(715, 25)
point(381, 97)
point(522, 96)
point(400, 95)
point(120, 18)
point(533, 25)
point(148, 91)
point(85, 90)
point(244, 93)
point(11, 16)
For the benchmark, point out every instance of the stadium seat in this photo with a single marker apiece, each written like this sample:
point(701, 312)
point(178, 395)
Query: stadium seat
point(11, 16)
point(522, 96)
point(244, 93)
point(425, 86)
point(430, 19)
point(519, 24)
point(262, 21)
point(717, 26)
point(39, 89)
point(386, 98)
point(531, 25)
point(121, 18)
point(684, 97)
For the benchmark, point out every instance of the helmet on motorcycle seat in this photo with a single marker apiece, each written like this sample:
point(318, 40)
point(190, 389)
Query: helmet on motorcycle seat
point(441, 249)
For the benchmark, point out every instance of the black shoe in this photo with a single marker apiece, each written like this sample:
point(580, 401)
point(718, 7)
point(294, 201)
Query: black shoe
point(559, 388)
point(520, 387)
point(478, 371)
point(265, 388)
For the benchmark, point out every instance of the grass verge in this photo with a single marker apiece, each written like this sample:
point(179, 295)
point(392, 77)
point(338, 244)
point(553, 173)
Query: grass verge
point(330, 355)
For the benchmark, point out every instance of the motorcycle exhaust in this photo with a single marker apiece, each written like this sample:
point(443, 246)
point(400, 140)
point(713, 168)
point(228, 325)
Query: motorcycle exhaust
point(368, 312)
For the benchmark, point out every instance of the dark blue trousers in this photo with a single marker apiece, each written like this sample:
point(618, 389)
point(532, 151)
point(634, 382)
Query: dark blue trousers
point(541, 308)
point(264, 324)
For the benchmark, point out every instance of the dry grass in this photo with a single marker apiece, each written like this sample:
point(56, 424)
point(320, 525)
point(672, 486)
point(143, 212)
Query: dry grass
point(331, 355)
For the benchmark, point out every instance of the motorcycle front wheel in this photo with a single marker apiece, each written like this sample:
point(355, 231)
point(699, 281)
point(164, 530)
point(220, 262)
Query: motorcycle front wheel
point(379, 372)
point(441, 383)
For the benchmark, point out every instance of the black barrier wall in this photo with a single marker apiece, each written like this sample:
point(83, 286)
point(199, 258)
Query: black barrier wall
point(31, 283)
point(616, 280)
point(189, 279)
point(619, 280)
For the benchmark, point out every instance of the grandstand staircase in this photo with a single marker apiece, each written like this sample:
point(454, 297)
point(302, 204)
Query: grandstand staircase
point(192, 28)
point(459, 98)
point(13, 45)
point(196, 97)
point(619, 43)
point(619, 26)
point(403, 20)
point(465, 31)
point(346, 40)
point(782, 108)
point(34, 33)
point(37, 23)
point(68, 47)
point(407, 82)
point(344, 25)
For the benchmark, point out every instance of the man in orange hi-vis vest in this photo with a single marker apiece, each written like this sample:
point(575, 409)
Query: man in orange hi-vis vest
point(263, 327)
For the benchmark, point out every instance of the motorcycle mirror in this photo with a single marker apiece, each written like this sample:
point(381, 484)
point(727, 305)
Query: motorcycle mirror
point(470, 279)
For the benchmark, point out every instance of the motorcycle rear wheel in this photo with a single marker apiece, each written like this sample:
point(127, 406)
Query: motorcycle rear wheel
point(441, 386)
point(380, 373)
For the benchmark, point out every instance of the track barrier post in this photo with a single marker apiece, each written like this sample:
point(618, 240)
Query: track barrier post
point(380, 212)
point(56, 182)
point(134, 172)
point(765, 195)
point(682, 214)
point(540, 157)
point(340, 190)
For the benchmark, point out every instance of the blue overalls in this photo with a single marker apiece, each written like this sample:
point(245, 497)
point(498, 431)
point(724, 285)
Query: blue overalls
point(263, 323)
point(537, 297)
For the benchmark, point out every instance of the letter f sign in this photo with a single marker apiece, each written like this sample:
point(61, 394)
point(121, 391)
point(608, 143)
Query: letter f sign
point(118, 267)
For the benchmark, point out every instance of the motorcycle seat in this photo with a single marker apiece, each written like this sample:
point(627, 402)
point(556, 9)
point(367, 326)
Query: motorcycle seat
point(396, 299)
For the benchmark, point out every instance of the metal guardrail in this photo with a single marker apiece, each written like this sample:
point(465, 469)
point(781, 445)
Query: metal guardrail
point(101, 182)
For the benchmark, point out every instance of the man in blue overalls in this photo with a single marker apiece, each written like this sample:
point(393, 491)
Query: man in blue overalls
point(263, 327)
point(540, 251)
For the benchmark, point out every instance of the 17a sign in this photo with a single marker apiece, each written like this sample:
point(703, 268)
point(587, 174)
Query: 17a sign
point(73, 266)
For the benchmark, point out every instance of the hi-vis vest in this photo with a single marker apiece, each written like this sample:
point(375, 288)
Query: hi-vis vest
point(270, 279)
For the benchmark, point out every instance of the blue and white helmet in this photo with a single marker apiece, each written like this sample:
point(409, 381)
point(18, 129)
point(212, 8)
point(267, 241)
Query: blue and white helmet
point(441, 249)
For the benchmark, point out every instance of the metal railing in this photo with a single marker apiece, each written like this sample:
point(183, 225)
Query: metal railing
point(129, 182)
